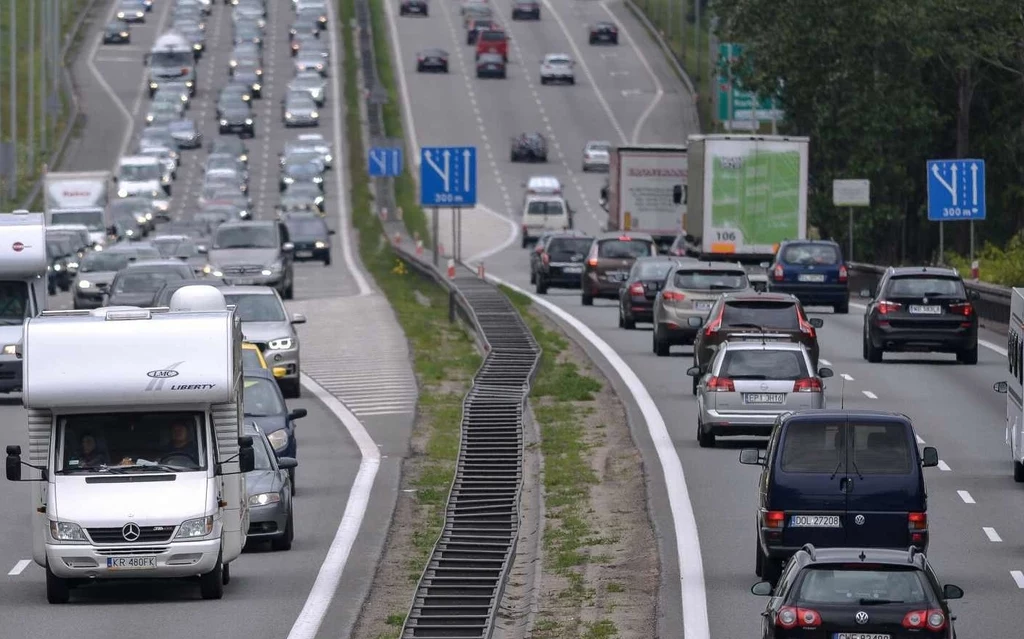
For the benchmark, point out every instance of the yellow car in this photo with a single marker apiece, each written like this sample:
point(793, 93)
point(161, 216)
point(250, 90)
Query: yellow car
point(253, 358)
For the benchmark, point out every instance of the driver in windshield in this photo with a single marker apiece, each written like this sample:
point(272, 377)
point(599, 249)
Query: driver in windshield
point(182, 444)
point(90, 456)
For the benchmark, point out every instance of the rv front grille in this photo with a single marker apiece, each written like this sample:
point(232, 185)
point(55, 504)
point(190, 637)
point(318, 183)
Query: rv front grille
point(146, 535)
point(132, 551)
point(242, 270)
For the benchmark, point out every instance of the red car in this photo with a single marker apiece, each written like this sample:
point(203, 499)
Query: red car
point(492, 41)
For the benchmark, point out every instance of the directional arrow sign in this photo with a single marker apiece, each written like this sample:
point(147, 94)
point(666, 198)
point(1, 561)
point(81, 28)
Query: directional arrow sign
point(956, 190)
point(385, 162)
point(448, 176)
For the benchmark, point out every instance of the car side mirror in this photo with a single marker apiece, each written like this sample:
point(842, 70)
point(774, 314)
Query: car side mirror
point(762, 589)
point(287, 247)
point(693, 371)
point(816, 322)
point(825, 373)
point(949, 591)
point(285, 463)
point(751, 457)
point(246, 455)
point(1000, 387)
point(14, 463)
point(202, 250)
point(331, 232)
point(974, 295)
point(865, 293)
point(297, 413)
point(929, 457)
point(298, 318)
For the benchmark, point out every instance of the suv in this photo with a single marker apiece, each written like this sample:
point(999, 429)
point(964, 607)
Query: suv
point(690, 291)
point(492, 41)
point(921, 309)
point(814, 272)
point(559, 262)
point(825, 591)
point(253, 254)
point(608, 264)
point(759, 316)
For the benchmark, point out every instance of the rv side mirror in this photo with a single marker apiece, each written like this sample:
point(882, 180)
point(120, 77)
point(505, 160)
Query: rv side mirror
point(751, 457)
point(949, 591)
point(825, 373)
point(762, 589)
point(930, 457)
point(693, 371)
point(285, 463)
point(816, 322)
point(287, 247)
point(298, 413)
point(298, 318)
point(14, 463)
point(246, 459)
point(201, 249)
point(1000, 387)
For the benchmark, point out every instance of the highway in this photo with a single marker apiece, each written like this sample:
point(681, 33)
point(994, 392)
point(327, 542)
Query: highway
point(974, 502)
point(268, 590)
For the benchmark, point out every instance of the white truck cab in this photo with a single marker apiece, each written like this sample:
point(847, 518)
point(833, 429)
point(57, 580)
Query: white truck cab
point(23, 266)
point(138, 460)
point(142, 175)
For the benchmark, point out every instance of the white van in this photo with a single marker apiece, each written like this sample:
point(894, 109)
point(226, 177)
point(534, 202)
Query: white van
point(542, 185)
point(141, 461)
point(543, 213)
point(142, 175)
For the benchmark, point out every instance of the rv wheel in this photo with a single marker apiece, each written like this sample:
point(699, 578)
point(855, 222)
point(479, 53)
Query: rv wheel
point(211, 585)
point(58, 591)
point(226, 572)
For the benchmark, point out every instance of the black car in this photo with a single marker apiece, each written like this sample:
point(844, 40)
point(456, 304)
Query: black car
point(432, 60)
point(117, 32)
point(813, 271)
point(237, 118)
point(233, 93)
point(138, 283)
point(637, 295)
point(59, 253)
point(312, 16)
point(491, 65)
point(264, 404)
point(248, 32)
point(306, 192)
point(311, 237)
point(559, 262)
point(231, 146)
point(525, 10)
point(529, 147)
point(850, 592)
point(603, 33)
point(921, 309)
point(414, 7)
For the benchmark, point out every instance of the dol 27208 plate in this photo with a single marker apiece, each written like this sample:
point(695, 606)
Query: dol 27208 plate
point(815, 521)
point(812, 277)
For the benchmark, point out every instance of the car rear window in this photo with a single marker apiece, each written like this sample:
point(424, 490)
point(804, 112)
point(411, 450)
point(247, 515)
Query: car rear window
point(493, 36)
point(624, 249)
point(651, 270)
point(567, 247)
point(780, 315)
point(813, 448)
point(763, 364)
point(916, 286)
point(878, 449)
point(810, 254)
point(825, 584)
point(710, 280)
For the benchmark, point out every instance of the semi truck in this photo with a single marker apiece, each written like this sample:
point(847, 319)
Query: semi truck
point(746, 194)
point(78, 197)
point(138, 468)
point(23, 284)
point(645, 190)
point(172, 58)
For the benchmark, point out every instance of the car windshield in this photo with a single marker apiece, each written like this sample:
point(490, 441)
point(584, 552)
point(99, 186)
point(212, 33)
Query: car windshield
point(545, 207)
point(565, 247)
point(13, 303)
point(132, 206)
point(251, 359)
point(262, 453)
point(710, 280)
point(926, 287)
point(763, 364)
point(144, 281)
point(307, 82)
point(304, 157)
point(624, 249)
point(91, 219)
point(804, 254)
point(778, 315)
point(256, 307)
point(300, 103)
point(131, 442)
point(559, 61)
point(104, 261)
point(653, 270)
point(175, 247)
point(312, 227)
point(261, 397)
point(246, 237)
point(140, 172)
point(852, 584)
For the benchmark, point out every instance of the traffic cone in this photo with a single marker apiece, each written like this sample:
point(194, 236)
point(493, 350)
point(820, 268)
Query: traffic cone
point(419, 247)
point(440, 249)
point(480, 270)
point(975, 270)
point(451, 269)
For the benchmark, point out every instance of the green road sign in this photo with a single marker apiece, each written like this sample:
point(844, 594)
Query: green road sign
point(735, 104)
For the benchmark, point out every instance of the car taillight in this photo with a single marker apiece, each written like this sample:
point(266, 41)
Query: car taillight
point(886, 307)
point(965, 308)
point(592, 262)
point(917, 521)
point(805, 326)
point(778, 273)
point(544, 257)
point(933, 619)
point(636, 289)
point(791, 617)
point(844, 274)
point(721, 385)
point(714, 324)
point(774, 519)
point(673, 296)
point(807, 385)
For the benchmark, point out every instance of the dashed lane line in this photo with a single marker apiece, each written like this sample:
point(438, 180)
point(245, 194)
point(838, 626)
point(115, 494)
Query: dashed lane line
point(846, 376)
point(966, 496)
point(943, 466)
point(869, 394)
point(992, 535)
point(1018, 578)
point(19, 567)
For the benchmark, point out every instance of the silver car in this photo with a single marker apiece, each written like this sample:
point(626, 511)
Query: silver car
point(320, 143)
point(269, 490)
point(597, 156)
point(266, 323)
point(300, 110)
point(186, 133)
point(306, 60)
point(750, 383)
point(312, 83)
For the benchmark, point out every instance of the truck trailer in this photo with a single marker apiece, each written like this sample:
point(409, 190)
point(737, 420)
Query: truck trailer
point(23, 275)
point(646, 190)
point(78, 197)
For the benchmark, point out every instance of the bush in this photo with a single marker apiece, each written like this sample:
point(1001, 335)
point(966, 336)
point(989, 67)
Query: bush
point(1004, 266)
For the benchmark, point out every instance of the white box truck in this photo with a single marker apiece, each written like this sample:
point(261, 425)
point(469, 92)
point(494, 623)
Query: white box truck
point(1014, 384)
point(645, 190)
point(138, 457)
point(78, 197)
point(23, 273)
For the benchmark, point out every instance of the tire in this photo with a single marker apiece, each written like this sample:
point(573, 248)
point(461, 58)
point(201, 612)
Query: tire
point(758, 561)
point(588, 300)
point(58, 590)
point(572, 80)
point(533, 276)
point(590, 40)
point(542, 286)
point(872, 354)
point(289, 293)
point(291, 388)
point(842, 309)
point(291, 480)
point(694, 383)
point(968, 356)
point(771, 570)
point(226, 574)
point(704, 438)
point(327, 261)
point(526, 243)
point(543, 81)
point(661, 347)
point(284, 542)
point(211, 585)
point(628, 322)
point(1018, 472)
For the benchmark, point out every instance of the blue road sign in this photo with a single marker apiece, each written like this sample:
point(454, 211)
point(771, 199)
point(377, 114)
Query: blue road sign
point(448, 176)
point(385, 161)
point(956, 190)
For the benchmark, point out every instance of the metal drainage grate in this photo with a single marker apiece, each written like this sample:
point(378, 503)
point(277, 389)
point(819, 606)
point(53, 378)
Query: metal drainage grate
point(461, 588)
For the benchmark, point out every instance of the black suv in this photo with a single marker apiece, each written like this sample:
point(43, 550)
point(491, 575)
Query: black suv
point(921, 308)
point(559, 260)
point(849, 592)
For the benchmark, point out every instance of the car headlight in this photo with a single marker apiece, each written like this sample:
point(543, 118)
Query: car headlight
point(317, 179)
point(278, 439)
point(84, 284)
point(122, 193)
point(141, 219)
point(243, 158)
point(197, 46)
point(124, 34)
point(66, 531)
point(259, 71)
point(256, 86)
point(314, 114)
point(320, 245)
point(189, 83)
point(199, 527)
point(120, 14)
point(74, 265)
point(264, 498)
point(154, 86)
point(288, 179)
point(58, 267)
point(248, 121)
point(280, 344)
point(149, 216)
point(11, 349)
point(233, 64)
point(130, 233)
point(223, 122)
point(287, 115)
point(166, 179)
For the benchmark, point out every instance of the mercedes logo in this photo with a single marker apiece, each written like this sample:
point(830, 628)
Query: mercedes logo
point(859, 520)
point(131, 532)
point(861, 617)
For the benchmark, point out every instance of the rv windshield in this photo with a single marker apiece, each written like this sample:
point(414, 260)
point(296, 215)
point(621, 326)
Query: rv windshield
point(118, 443)
point(257, 307)
point(165, 59)
point(140, 172)
point(103, 261)
point(175, 247)
point(13, 303)
point(93, 220)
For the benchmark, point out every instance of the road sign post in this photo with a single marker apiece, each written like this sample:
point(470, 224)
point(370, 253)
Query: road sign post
point(956, 191)
point(739, 109)
point(851, 194)
point(448, 176)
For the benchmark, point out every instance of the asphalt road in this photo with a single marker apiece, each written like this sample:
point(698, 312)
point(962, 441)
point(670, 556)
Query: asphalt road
point(974, 502)
point(268, 589)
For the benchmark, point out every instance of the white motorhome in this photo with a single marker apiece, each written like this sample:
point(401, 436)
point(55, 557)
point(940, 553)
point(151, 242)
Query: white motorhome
point(23, 265)
point(142, 175)
point(140, 462)
point(1014, 384)
point(172, 59)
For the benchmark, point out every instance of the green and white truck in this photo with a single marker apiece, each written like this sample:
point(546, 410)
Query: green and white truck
point(746, 194)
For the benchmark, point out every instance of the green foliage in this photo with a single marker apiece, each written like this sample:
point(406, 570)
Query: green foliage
point(996, 265)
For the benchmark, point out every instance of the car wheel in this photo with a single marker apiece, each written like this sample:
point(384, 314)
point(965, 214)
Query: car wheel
point(419, 68)
point(533, 276)
point(705, 439)
point(1018, 472)
point(526, 242)
point(842, 309)
point(591, 40)
point(284, 542)
point(758, 561)
point(58, 590)
point(211, 585)
point(694, 384)
point(628, 322)
point(572, 80)
point(542, 286)
point(661, 345)
point(327, 260)
point(872, 354)
point(291, 388)
point(968, 356)
point(226, 574)
point(588, 300)
point(289, 293)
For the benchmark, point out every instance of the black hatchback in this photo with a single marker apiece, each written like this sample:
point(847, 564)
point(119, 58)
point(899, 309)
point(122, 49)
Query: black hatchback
point(645, 279)
point(310, 235)
point(919, 309)
point(851, 593)
point(559, 262)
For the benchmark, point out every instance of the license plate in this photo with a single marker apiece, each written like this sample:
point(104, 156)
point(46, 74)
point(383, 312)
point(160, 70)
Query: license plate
point(926, 310)
point(617, 276)
point(243, 282)
point(764, 398)
point(815, 521)
point(702, 306)
point(812, 277)
point(131, 563)
point(859, 635)
point(572, 270)
point(304, 254)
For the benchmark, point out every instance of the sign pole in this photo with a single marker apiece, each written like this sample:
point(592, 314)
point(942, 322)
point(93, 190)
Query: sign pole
point(433, 238)
point(942, 243)
point(972, 250)
point(850, 213)
point(458, 226)
point(455, 236)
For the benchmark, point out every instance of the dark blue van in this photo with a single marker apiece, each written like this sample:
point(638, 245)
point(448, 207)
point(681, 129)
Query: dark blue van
point(813, 271)
point(839, 478)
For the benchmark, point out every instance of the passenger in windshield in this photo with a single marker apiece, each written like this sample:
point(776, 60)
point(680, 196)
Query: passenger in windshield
point(260, 399)
point(246, 237)
point(13, 303)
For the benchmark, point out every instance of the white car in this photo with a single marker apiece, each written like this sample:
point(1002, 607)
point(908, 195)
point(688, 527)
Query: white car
point(597, 156)
point(557, 67)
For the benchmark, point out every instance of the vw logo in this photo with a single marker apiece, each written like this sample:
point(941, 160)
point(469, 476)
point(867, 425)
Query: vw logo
point(859, 520)
point(861, 617)
point(131, 532)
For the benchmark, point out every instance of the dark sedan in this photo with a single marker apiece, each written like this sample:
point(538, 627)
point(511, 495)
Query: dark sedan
point(560, 260)
point(301, 172)
point(138, 283)
point(529, 147)
point(250, 75)
point(603, 33)
point(269, 488)
point(636, 297)
point(117, 32)
point(311, 237)
point(264, 404)
point(414, 7)
point(231, 146)
point(491, 65)
point(186, 133)
point(432, 60)
point(237, 118)
point(525, 10)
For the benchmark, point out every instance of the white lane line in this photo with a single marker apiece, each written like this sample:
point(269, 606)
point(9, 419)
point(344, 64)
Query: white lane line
point(326, 585)
point(1018, 578)
point(966, 496)
point(691, 565)
point(91, 63)
point(846, 376)
point(943, 466)
point(920, 442)
point(825, 361)
point(869, 395)
point(992, 535)
point(19, 567)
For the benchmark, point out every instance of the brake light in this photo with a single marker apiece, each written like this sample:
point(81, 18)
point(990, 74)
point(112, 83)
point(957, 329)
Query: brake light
point(625, 238)
point(778, 273)
point(592, 262)
point(721, 385)
point(774, 519)
point(965, 308)
point(714, 324)
point(673, 296)
point(544, 257)
point(933, 619)
point(636, 289)
point(844, 275)
point(917, 521)
point(807, 385)
point(805, 326)
point(791, 617)
point(886, 307)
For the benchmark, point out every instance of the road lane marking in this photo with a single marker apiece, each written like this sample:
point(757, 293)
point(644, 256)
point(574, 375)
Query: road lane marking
point(992, 535)
point(944, 466)
point(19, 567)
point(1018, 578)
point(966, 496)
point(920, 442)
point(869, 395)
point(847, 377)
point(825, 361)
